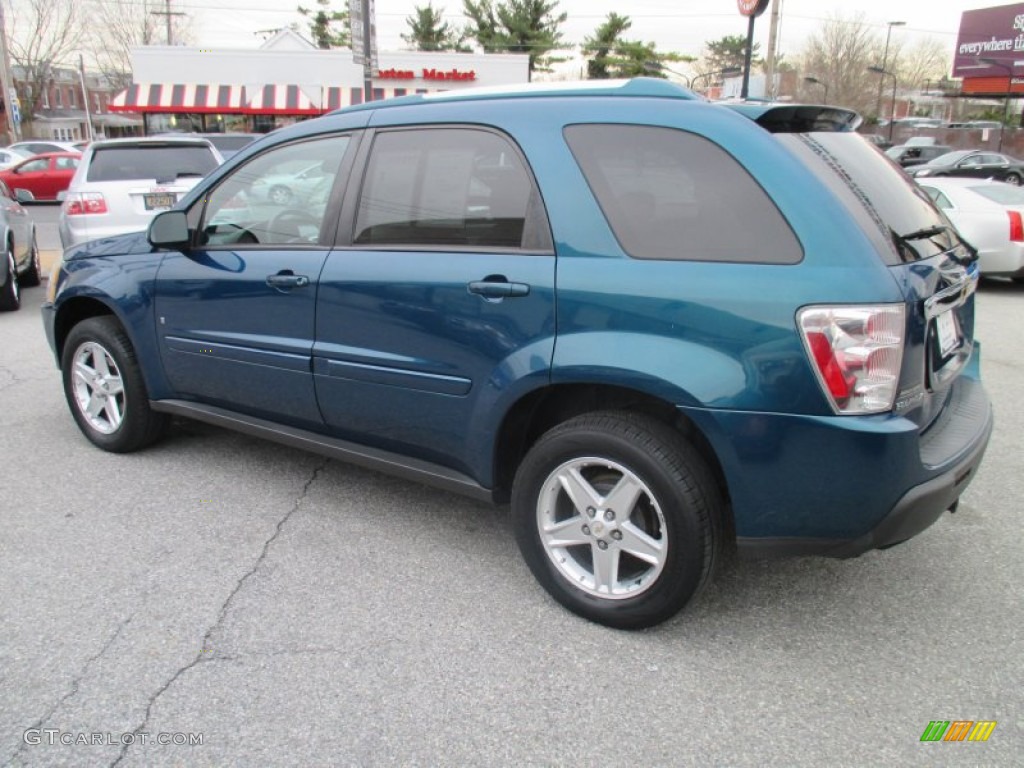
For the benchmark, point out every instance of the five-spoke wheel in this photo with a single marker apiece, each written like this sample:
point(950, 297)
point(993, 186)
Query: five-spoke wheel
point(618, 517)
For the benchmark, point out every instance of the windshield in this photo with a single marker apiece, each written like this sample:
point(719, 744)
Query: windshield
point(889, 206)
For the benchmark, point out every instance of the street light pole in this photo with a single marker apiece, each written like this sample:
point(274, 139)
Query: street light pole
point(892, 107)
point(815, 81)
point(885, 62)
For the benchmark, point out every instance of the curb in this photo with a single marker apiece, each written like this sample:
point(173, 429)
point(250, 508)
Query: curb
point(47, 259)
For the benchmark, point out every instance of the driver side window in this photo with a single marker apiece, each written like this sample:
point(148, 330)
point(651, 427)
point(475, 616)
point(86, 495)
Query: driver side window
point(277, 198)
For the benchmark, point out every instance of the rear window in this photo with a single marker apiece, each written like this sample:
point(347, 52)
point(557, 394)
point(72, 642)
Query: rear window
point(672, 195)
point(886, 202)
point(229, 142)
point(1004, 194)
point(158, 162)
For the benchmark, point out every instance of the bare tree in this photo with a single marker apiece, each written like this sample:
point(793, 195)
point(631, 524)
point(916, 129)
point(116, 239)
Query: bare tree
point(44, 35)
point(927, 61)
point(120, 25)
point(838, 54)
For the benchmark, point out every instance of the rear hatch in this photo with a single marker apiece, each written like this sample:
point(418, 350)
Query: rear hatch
point(936, 270)
point(136, 181)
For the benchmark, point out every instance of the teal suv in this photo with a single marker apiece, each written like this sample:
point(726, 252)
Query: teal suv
point(653, 325)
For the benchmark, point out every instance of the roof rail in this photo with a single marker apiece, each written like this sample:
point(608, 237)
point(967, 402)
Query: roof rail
point(650, 87)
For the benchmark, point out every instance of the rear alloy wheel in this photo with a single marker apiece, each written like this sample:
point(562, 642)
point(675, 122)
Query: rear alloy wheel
point(10, 294)
point(33, 276)
point(104, 388)
point(1012, 178)
point(618, 518)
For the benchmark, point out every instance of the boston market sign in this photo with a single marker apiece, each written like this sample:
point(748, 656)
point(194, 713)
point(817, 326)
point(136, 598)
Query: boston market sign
point(427, 74)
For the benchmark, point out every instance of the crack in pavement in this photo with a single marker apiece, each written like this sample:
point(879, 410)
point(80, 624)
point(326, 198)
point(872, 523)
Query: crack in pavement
point(202, 656)
point(76, 682)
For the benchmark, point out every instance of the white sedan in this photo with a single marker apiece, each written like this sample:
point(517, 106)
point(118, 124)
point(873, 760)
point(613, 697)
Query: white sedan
point(989, 215)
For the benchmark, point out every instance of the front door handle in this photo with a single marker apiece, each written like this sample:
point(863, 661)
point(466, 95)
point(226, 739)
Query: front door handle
point(498, 287)
point(285, 280)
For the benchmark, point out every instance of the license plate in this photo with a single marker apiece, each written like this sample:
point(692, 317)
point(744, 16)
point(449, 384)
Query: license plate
point(949, 336)
point(152, 202)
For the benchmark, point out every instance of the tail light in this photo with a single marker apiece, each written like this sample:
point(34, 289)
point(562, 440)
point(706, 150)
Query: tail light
point(1016, 227)
point(856, 352)
point(84, 203)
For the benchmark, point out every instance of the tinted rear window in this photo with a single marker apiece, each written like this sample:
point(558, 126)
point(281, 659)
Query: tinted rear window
point(230, 143)
point(672, 195)
point(882, 198)
point(156, 162)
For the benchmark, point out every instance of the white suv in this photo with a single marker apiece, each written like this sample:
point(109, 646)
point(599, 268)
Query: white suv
point(121, 184)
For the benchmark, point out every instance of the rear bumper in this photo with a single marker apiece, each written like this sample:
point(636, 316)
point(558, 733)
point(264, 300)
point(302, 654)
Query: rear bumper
point(839, 486)
point(918, 508)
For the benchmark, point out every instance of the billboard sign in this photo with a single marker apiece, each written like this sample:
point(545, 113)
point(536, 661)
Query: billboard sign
point(993, 34)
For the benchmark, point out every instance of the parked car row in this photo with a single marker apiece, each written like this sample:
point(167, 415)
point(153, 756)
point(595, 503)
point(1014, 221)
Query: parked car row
point(21, 267)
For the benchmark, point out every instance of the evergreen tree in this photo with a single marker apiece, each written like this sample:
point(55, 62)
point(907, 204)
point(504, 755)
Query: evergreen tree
point(427, 32)
point(329, 28)
point(516, 26)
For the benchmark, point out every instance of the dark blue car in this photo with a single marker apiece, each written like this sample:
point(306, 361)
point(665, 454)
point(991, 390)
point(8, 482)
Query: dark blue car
point(655, 325)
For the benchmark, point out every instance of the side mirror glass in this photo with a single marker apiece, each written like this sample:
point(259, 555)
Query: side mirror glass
point(23, 196)
point(169, 230)
point(62, 196)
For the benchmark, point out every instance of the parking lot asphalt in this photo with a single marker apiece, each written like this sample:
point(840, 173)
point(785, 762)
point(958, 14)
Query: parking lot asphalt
point(288, 610)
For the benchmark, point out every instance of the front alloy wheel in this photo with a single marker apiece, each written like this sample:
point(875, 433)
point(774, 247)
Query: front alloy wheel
point(98, 388)
point(105, 389)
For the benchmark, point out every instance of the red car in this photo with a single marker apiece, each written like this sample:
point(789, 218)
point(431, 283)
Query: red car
point(43, 175)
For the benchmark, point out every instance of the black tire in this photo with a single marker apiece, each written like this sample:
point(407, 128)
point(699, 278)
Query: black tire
point(1013, 178)
point(128, 424)
point(603, 449)
point(31, 277)
point(10, 293)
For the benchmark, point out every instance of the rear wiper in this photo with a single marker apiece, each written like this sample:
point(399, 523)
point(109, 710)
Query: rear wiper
point(921, 234)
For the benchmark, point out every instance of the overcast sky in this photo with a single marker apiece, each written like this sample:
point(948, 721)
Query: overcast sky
point(679, 25)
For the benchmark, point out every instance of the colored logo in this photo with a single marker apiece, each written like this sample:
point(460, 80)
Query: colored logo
point(958, 730)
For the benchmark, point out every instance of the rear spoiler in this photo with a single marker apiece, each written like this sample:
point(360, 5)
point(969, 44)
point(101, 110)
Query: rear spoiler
point(799, 118)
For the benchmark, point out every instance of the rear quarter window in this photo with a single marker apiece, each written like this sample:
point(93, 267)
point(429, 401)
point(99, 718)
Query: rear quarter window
point(672, 195)
point(157, 162)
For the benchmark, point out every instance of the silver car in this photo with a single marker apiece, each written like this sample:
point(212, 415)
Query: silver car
point(121, 184)
point(20, 267)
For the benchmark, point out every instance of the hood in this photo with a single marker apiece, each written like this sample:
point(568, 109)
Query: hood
point(118, 245)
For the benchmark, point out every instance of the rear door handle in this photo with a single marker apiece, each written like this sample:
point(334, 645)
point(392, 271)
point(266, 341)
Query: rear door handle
point(286, 280)
point(498, 287)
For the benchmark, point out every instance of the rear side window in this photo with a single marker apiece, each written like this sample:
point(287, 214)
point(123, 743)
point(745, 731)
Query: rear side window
point(449, 187)
point(672, 195)
point(158, 162)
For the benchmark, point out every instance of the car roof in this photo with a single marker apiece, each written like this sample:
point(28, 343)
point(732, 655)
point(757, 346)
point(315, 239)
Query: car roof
point(636, 87)
point(155, 140)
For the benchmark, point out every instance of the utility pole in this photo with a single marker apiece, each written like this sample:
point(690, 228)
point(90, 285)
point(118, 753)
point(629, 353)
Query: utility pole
point(773, 45)
point(168, 13)
point(85, 97)
point(6, 81)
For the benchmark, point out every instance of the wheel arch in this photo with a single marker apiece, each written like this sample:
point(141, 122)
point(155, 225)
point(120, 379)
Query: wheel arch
point(73, 311)
point(541, 409)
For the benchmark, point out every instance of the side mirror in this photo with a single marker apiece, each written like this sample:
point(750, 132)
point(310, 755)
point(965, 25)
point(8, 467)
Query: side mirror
point(23, 196)
point(169, 230)
point(62, 196)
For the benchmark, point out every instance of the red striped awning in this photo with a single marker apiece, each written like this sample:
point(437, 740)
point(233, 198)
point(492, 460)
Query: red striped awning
point(179, 97)
point(336, 97)
point(282, 100)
